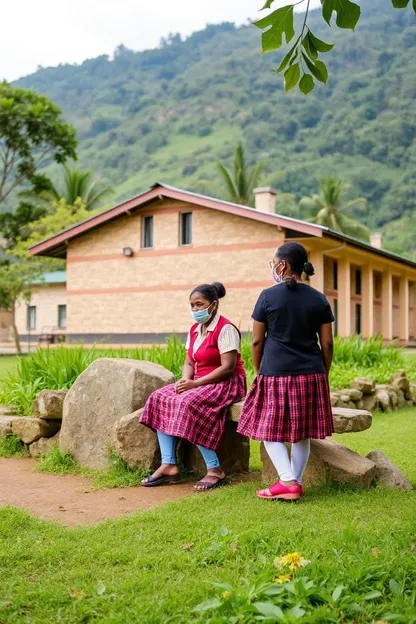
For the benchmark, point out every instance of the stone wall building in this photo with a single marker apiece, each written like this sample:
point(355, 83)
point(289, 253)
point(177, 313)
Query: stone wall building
point(131, 268)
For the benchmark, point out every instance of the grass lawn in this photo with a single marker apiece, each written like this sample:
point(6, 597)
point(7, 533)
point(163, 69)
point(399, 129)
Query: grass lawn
point(155, 567)
point(7, 365)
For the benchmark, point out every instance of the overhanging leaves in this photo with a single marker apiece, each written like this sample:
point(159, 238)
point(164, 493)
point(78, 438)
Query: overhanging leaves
point(400, 4)
point(279, 22)
point(348, 13)
point(306, 84)
point(318, 44)
point(288, 57)
point(292, 76)
point(317, 69)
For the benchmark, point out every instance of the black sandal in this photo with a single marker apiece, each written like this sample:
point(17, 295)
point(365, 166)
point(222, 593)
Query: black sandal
point(208, 485)
point(162, 480)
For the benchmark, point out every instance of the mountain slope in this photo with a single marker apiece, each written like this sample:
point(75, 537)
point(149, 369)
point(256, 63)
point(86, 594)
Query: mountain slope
point(168, 114)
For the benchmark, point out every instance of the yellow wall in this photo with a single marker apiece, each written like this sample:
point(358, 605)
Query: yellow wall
point(46, 299)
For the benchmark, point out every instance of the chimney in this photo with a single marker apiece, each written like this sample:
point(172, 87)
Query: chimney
point(376, 240)
point(265, 199)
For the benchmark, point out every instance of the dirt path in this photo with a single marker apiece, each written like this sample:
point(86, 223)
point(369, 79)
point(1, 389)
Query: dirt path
point(68, 499)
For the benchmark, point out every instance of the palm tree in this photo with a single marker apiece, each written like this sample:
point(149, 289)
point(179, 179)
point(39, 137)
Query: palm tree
point(76, 185)
point(238, 184)
point(330, 210)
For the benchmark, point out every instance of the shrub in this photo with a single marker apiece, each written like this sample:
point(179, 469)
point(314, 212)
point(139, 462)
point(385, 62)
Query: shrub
point(12, 446)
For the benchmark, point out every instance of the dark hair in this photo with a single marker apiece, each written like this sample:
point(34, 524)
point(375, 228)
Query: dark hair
point(296, 256)
point(210, 292)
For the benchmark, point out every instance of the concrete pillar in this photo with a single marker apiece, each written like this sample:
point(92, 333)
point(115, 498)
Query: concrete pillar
point(387, 306)
point(367, 301)
point(404, 309)
point(344, 298)
point(318, 280)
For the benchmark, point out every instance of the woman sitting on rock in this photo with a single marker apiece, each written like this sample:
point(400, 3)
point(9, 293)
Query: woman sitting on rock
point(195, 408)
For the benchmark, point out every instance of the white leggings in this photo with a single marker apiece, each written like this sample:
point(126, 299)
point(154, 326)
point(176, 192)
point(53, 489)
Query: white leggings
point(289, 469)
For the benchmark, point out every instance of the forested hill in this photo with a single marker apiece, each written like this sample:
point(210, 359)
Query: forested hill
point(168, 114)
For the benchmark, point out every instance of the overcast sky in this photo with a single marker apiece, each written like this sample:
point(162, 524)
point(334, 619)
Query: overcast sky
point(49, 32)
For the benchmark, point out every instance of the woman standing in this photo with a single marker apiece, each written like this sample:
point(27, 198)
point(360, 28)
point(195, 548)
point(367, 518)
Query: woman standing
point(195, 408)
point(289, 400)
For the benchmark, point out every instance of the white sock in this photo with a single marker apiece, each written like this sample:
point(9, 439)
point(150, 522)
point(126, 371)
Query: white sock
point(277, 451)
point(299, 458)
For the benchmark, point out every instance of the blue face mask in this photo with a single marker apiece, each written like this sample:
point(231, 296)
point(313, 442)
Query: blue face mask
point(201, 316)
point(277, 278)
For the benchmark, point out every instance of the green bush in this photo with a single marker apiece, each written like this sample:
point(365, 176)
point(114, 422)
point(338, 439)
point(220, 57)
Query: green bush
point(12, 446)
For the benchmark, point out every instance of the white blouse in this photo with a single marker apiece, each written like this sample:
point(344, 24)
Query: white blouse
point(228, 339)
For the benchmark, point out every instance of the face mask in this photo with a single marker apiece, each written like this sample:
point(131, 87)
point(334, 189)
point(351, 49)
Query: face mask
point(277, 278)
point(201, 316)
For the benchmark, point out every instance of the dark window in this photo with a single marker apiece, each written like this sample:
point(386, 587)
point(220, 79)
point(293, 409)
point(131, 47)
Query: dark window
point(186, 228)
point(147, 232)
point(62, 316)
point(358, 282)
point(335, 311)
point(358, 318)
point(31, 317)
point(335, 275)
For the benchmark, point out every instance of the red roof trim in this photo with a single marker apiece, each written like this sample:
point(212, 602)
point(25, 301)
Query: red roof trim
point(161, 191)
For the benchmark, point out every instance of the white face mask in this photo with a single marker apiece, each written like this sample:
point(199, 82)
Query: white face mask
point(277, 278)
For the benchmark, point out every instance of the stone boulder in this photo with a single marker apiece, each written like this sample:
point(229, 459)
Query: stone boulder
point(364, 384)
point(329, 462)
point(400, 381)
point(235, 411)
point(108, 390)
point(6, 424)
point(31, 429)
point(6, 410)
point(384, 398)
point(412, 392)
point(351, 420)
point(370, 403)
point(42, 446)
point(387, 473)
point(353, 394)
point(49, 404)
point(136, 444)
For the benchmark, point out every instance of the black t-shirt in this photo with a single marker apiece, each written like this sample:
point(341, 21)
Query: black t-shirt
point(292, 318)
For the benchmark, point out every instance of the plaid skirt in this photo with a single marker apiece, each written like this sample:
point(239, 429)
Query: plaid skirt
point(287, 409)
point(198, 415)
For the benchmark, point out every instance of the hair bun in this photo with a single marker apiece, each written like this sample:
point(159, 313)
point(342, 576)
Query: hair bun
point(220, 288)
point(308, 269)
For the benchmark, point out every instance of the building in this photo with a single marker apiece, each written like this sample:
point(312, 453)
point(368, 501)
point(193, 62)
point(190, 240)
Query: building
point(130, 269)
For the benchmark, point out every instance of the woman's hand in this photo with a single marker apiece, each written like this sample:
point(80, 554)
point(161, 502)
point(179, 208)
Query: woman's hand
point(183, 385)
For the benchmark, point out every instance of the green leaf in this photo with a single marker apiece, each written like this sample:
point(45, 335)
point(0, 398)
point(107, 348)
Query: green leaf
point(306, 84)
point(337, 592)
point(414, 5)
point(269, 610)
point(348, 13)
point(267, 5)
point(395, 587)
point(278, 23)
point(320, 66)
point(309, 47)
point(100, 589)
point(287, 57)
point(372, 595)
point(212, 603)
point(400, 4)
point(316, 69)
point(292, 76)
point(320, 45)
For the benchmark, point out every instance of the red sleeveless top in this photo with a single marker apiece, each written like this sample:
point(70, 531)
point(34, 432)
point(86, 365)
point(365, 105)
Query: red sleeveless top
point(207, 357)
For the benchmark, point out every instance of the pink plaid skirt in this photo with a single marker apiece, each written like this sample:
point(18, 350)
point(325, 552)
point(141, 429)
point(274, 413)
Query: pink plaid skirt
point(287, 409)
point(198, 415)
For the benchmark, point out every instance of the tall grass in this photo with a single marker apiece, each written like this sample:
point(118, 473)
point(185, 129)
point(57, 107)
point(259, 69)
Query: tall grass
point(57, 369)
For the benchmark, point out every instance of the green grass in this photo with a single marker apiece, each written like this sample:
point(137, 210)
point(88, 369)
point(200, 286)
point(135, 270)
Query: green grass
point(12, 446)
point(156, 567)
point(8, 365)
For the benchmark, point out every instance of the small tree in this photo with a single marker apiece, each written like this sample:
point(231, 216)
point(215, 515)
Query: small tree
point(238, 184)
point(16, 285)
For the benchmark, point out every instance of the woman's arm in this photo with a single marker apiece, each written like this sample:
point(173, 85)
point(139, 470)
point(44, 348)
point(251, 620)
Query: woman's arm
point(257, 343)
point(223, 372)
point(188, 369)
point(327, 344)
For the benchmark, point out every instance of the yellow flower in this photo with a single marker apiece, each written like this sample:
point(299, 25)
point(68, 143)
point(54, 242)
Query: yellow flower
point(291, 560)
point(225, 595)
point(283, 578)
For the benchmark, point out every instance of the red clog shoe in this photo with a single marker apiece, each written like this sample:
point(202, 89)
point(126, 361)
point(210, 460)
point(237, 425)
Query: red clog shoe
point(281, 492)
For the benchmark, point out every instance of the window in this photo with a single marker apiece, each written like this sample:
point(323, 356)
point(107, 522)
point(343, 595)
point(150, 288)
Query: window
point(62, 316)
point(335, 275)
point(186, 228)
point(358, 282)
point(147, 232)
point(358, 318)
point(335, 311)
point(31, 317)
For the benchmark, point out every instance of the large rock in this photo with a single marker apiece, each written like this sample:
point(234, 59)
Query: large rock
point(6, 424)
point(384, 399)
point(400, 381)
point(401, 401)
point(350, 420)
point(42, 446)
point(364, 384)
point(235, 411)
point(370, 403)
point(353, 394)
point(329, 462)
point(387, 473)
point(31, 429)
point(6, 410)
point(233, 453)
point(49, 404)
point(108, 390)
point(136, 444)
point(412, 391)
